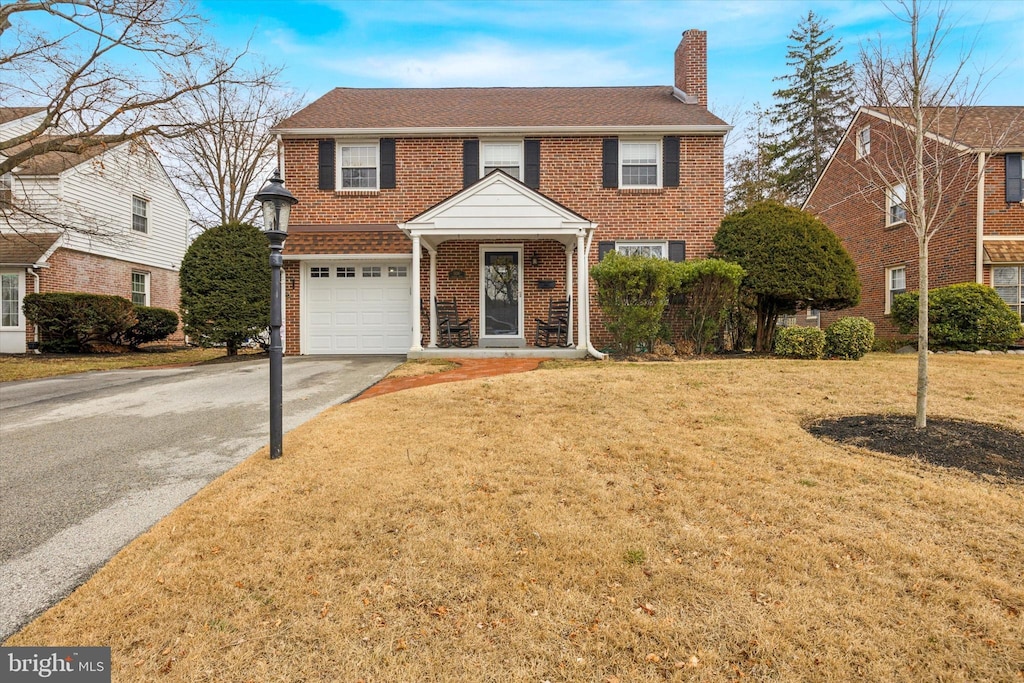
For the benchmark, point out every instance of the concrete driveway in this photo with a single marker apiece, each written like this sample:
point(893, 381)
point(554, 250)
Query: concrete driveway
point(88, 462)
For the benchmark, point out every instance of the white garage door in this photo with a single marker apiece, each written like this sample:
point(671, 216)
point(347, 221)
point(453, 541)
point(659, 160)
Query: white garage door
point(358, 307)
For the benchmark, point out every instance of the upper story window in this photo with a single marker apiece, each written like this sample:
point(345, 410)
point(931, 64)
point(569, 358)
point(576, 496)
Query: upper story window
point(864, 142)
point(140, 288)
point(1008, 282)
point(650, 249)
point(6, 189)
point(140, 214)
point(639, 162)
point(504, 156)
point(359, 166)
point(895, 283)
point(897, 204)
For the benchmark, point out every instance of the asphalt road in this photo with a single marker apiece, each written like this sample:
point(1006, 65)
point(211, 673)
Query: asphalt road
point(88, 462)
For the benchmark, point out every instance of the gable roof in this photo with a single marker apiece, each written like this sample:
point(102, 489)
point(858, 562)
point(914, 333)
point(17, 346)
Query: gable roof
point(55, 163)
point(411, 110)
point(14, 113)
point(26, 249)
point(980, 128)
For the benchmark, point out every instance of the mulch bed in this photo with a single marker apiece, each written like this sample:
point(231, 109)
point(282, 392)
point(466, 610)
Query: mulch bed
point(972, 446)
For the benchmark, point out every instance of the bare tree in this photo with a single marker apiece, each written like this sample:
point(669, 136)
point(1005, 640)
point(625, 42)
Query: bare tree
point(924, 173)
point(749, 175)
point(220, 167)
point(104, 72)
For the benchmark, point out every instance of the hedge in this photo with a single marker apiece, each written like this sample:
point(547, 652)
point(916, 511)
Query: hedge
point(849, 338)
point(799, 342)
point(69, 322)
point(964, 317)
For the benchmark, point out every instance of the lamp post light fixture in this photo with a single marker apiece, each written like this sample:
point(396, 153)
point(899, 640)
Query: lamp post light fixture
point(277, 205)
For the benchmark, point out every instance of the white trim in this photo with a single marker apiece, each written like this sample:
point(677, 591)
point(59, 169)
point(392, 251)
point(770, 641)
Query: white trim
point(890, 204)
point(525, 131)
point(340, 145)
point(858, 142)
point(521, 335)
point(644, 243)
point(1002, 238)
point(348, 257)
point(658, 151)
point(20, 327)
point(145, 281)
point(888, 285)
point(979, 223)
point(503, 141)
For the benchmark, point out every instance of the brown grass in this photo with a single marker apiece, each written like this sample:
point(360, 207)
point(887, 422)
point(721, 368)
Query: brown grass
point(592, 522)
point(32, 366)
point(425, 366)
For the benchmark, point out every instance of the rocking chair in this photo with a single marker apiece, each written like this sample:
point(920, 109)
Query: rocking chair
point(556, 328)
point(452, 330)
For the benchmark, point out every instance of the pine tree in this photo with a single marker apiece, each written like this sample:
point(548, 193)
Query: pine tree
point(811, 113)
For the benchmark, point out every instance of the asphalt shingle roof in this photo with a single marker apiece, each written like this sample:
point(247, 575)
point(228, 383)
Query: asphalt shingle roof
point(977, 127)
point(25, 248)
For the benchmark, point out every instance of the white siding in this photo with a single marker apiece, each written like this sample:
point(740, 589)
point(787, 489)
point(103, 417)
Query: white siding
point(20, 126)
point(38, 194)
point(498, 205)
point(97, 197)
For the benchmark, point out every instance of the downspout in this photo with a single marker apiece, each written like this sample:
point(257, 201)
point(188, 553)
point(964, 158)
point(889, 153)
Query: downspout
point(585, 310)
point(35, 328)
point(979, 247)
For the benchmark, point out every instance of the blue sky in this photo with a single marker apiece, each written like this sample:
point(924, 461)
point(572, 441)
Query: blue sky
point(330, 43)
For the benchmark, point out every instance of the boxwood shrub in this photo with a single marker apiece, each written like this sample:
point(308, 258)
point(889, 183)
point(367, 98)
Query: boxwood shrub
point(799, 342)
point(153, 325)
point(849, 338)
point(69, 322)
point(964, 317)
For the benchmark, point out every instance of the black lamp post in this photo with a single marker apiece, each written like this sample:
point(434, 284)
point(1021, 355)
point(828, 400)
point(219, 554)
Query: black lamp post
point(277, 205)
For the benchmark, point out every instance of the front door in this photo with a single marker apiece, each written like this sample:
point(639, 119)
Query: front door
point(501, 292)
point(12, 321)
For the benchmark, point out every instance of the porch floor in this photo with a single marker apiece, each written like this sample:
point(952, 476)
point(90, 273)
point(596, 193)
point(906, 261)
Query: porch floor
point(484, 352)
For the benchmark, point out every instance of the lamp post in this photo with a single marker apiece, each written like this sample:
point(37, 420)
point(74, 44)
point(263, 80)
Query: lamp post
point(277, 205)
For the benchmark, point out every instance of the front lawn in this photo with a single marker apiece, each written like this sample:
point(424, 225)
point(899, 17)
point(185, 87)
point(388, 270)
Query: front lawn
point(32, 366)
point(587, 522)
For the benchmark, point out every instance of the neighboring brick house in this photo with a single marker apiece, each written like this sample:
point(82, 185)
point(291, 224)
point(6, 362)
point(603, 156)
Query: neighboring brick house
point(983, 241)
point(129, 228)
point(499, 198)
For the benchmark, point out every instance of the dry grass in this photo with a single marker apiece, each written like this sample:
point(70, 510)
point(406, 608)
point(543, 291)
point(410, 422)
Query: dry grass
point(591, 522)
point(425, 366)
point(50, 365)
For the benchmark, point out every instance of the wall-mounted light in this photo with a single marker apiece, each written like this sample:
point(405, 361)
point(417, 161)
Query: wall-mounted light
point(534, 259)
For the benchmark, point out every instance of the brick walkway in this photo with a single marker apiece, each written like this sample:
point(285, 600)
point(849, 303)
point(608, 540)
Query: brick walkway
point(469, 368)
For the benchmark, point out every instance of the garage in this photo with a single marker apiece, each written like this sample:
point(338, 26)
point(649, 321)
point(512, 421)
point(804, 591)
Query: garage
point(357, 307)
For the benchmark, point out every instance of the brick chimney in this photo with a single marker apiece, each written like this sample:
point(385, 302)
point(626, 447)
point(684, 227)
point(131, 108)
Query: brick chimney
point(692, 66)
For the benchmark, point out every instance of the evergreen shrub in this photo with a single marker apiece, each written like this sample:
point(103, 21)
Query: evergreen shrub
point(849, 338)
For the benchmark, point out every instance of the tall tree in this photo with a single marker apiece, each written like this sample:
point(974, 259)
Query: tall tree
point(749, 175)
point(218, 168)
point(810, 114)
point(912, 160)
point(105, 72)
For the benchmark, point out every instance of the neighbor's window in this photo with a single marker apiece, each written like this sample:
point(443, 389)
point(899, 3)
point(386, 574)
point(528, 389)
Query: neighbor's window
point(6, 189)
point(813, 314)
point(504, 156)
point(10, 316)
point(1008, 282)
point(864, 142)
point(359, 167)
point(897, 197)
point(895, 283)
point(140, 214)
point(639, 164)
point(140, 288)
point(652, 249)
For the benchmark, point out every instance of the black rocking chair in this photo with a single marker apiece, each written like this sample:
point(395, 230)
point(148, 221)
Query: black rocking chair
point(556, 327)
point(452, 330)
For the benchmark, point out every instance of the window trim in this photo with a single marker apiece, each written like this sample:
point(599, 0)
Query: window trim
point(6, 187)
point(145, 282)
point(339, 183)
point(863, 147)
point(1019, 306)
point(890, 204)
point(643, 243)
point(484, 142)
point(658, 162)
point(143, 216)
point(889, 291)
point(19, 276)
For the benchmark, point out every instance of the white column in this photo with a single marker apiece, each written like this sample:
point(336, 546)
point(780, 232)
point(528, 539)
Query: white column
point(417, 344)
point(581, 294)
point(433, 295)
point(568, 289)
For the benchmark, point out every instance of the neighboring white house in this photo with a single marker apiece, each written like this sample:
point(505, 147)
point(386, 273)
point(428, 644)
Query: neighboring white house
point(128, 227)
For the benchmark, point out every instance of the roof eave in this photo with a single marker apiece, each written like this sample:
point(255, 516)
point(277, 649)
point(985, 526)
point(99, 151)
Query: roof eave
point(411, 132)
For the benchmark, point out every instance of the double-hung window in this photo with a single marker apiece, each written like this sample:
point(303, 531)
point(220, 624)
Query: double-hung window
point(140, 214)
point(864, 142)
point(639, 164)
point(6, 190)
point(1008, 282)
point(897, 204)
point(503, 156)
point(359, 166)
point(10, 300)
point(895, 283)
point(140, 288)
point(649, 249)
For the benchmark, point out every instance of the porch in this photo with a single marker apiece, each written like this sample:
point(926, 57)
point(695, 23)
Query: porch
point(475, 352)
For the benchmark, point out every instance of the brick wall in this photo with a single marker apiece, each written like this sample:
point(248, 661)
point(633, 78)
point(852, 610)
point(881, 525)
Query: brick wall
point(429, 170)
point(1001, 218)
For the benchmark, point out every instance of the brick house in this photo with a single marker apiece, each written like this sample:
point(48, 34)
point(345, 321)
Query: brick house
point(983, 240)
point(130, 227)
point(498, 198)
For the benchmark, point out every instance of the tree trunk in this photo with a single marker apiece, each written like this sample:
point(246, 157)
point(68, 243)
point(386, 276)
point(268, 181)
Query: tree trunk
point(232, 348)
point(922, 334)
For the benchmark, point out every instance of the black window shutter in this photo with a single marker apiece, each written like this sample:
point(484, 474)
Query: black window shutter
point(610, 162)
point(531, 170)
point(325, 162)
point(470, 162)
point(677, 250)
point(1014, 189)
point(670, 162)
point(603, 248)
point(387, 163)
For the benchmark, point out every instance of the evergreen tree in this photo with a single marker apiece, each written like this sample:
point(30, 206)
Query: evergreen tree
point(811, 112)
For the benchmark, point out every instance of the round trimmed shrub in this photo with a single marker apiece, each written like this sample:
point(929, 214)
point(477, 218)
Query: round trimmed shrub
point(154, 324)
point(799, 342)
point(849, 338)
point(964, 317)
